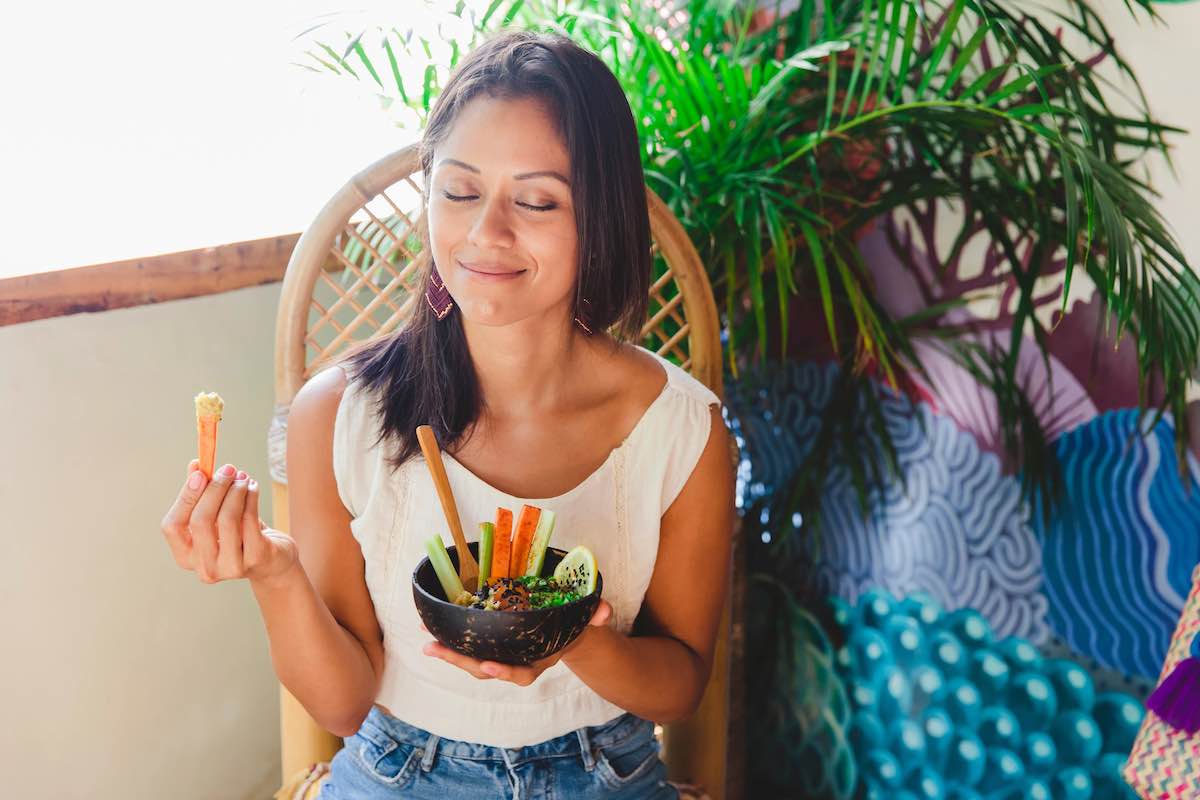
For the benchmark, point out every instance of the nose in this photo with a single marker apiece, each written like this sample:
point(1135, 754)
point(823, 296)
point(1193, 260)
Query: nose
point(490, 228)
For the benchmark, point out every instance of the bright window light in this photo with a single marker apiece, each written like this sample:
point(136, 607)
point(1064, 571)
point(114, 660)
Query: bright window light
point(134, 128)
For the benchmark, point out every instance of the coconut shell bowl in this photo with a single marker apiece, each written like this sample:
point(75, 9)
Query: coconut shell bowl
point(507, 637)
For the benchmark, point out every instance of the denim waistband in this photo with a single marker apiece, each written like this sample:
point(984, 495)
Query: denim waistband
point(381, 726)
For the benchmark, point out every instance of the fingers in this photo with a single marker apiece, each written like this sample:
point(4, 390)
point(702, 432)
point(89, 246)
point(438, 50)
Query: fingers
point(267, 552)
point(203, 523)
point(602, 614)
point(213, 528)
point(175, 523)
point(465, 663)
point(484, 670)
point(229, 529)
point(521, 676)
point(254, 543)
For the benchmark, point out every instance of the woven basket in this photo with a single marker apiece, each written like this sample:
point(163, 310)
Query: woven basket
point(1165, 762)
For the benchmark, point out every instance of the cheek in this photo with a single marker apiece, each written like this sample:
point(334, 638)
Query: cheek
point(447, 234)
point(443, 231)
point(556, 252)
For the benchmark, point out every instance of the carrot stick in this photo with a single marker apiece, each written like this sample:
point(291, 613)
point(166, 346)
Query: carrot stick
point(523, 538)
point(502, 546)
point(209, 406)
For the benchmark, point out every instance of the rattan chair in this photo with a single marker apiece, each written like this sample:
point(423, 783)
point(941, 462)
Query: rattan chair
point(353, 276)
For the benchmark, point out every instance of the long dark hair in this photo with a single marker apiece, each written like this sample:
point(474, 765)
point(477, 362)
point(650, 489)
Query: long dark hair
point(423, 375)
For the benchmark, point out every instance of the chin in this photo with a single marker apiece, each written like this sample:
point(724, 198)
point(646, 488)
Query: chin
point(488, 312)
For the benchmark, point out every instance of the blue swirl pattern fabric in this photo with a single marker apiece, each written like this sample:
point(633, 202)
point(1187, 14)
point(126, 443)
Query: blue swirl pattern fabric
point(1118, 554)
point(959, 530)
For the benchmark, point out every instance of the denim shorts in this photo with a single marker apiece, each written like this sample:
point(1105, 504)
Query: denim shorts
point(388, 758)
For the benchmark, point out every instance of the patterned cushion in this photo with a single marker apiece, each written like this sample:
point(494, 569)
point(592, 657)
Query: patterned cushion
point(1165, 763)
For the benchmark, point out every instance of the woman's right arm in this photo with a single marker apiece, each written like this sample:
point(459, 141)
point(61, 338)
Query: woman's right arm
point(326, 645)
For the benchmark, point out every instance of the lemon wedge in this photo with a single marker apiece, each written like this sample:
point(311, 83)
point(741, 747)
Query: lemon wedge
point(577, 571)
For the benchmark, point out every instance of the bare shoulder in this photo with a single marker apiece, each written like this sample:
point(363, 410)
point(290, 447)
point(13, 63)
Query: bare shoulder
point(643, 362)
point(310, 440)
point(636, 374)
point(315, 405)
point(310, 437)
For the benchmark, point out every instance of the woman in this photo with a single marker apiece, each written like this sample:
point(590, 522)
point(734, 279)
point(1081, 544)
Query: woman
point(539, 236)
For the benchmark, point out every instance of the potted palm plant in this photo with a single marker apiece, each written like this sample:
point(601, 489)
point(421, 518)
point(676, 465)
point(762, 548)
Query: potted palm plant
point(778, 139)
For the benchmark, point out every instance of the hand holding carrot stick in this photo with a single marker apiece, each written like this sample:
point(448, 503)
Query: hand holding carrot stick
point(213, 529)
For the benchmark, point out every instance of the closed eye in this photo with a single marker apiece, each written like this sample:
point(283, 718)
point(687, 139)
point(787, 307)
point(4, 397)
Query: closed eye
point(454, 198)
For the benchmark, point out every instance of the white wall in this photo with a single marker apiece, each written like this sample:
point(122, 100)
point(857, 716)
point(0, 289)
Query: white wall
point(1162, 55)
point(123, 676)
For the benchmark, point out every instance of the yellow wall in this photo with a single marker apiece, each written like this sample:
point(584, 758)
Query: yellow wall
point(123, 676)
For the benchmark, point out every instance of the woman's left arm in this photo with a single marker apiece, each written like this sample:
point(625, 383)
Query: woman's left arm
point(660, 673)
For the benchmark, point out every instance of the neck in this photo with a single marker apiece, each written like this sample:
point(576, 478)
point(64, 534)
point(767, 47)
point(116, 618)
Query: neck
point(526, 367)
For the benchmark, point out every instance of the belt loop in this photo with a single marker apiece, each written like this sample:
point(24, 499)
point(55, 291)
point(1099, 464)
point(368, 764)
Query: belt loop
point(512, 773)
point(585, 749)
point(430, 751)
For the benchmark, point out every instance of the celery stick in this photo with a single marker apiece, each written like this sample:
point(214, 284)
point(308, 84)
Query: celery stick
point(541, 539)
point(487, 536)
point(447, 575)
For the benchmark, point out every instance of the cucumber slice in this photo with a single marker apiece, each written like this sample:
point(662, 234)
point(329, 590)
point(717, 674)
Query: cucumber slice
point(577, 571)
point(487, 539)
point(541, 540)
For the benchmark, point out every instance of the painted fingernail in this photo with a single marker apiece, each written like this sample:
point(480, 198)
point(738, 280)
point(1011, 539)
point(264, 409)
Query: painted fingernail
point(490, 669)
point(228, 471)
point(253, 486)
point(242, 475)
point(196, 480)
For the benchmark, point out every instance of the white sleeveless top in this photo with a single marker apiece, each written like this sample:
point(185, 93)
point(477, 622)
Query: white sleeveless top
point(615, 511)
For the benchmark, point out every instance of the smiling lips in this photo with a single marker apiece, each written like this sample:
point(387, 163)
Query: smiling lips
point(492, 271)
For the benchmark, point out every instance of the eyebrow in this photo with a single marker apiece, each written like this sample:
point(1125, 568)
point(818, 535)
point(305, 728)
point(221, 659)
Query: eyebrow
point(543, 173)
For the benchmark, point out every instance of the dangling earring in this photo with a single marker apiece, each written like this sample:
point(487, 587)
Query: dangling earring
point(583, 304)
point(437, 295)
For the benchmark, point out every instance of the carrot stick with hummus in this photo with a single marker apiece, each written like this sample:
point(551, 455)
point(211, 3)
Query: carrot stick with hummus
point(209, 406)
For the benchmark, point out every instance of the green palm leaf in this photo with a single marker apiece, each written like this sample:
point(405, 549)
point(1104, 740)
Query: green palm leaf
point(775, 145)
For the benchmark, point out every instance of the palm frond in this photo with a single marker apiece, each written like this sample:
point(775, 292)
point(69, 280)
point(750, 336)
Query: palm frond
point(776, 145)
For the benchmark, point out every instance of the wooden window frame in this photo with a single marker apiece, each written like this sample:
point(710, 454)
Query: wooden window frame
point(141, 281)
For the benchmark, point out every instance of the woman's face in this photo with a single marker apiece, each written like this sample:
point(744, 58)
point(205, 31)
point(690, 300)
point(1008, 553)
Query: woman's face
point(501, 222)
